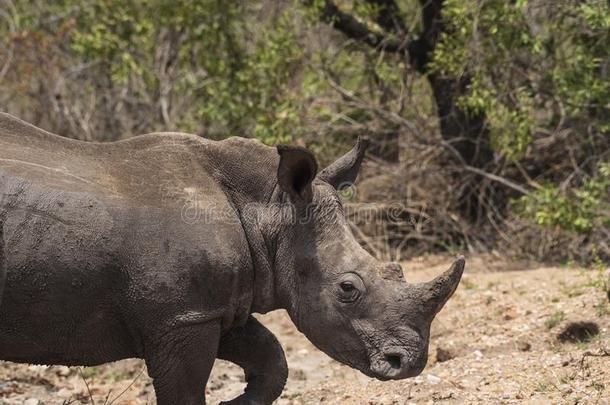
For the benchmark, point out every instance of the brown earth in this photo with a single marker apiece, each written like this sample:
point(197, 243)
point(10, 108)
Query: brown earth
point(496, 341)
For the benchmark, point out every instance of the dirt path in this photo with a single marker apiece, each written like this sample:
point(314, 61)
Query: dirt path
point(495, 342)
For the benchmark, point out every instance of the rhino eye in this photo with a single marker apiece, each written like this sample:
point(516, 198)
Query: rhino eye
point(350, 288)
point(347, 286)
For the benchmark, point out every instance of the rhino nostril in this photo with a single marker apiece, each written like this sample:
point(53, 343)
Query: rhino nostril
point(393, 360)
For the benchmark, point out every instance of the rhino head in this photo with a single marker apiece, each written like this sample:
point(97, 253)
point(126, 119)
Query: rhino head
point(358, 310)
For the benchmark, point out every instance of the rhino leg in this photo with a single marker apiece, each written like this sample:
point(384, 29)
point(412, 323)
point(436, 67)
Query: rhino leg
point(180, 360)
point(254, 348)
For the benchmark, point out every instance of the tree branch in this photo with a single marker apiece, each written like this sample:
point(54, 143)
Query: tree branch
point(354, 29)
point(418, 49)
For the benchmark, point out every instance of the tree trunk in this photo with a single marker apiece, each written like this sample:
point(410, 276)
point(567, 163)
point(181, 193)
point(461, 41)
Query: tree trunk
point(465, 132)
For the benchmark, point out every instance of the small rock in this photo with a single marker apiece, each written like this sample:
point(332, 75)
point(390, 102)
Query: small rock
point(578, 332)
point(443, 354)
point(478, 354)
point(511, 313)
point(524, 346)
point(439, 396)
point(432, 379)
point(298, 374)
point(32, 401)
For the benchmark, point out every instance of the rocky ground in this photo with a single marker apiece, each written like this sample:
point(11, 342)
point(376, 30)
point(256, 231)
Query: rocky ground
point(511, 334)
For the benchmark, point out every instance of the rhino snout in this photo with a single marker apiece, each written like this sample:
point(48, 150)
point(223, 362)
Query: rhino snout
point(396, 364)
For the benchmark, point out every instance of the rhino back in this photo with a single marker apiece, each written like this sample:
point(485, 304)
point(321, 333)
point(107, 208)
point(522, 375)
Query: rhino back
point(152, 170)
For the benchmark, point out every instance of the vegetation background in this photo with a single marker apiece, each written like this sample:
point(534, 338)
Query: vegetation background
point(489, 119)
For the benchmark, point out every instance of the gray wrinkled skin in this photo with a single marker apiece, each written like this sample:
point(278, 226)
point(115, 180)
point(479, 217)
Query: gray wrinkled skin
point(161, 246)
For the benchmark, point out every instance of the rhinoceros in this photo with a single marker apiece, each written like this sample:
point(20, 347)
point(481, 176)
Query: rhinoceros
point(162, 246)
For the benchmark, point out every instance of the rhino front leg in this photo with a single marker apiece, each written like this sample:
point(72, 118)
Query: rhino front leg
point(179, 362)
point(254, 348)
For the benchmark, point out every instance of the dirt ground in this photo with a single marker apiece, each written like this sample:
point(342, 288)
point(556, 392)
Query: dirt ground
point(498, 340)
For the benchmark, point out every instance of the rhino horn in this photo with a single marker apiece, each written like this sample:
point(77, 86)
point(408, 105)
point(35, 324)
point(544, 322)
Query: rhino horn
point(342, 173)
point(436, 292)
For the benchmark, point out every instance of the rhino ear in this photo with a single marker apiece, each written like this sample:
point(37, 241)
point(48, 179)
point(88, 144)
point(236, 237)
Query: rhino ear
point(296, 171)
point(343, 172)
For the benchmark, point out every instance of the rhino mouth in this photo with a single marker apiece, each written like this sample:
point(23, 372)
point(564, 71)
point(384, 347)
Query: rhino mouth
point(395, 364)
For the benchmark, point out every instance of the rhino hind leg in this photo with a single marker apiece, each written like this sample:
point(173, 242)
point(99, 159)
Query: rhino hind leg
point(180, 361)
point(255, 349)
